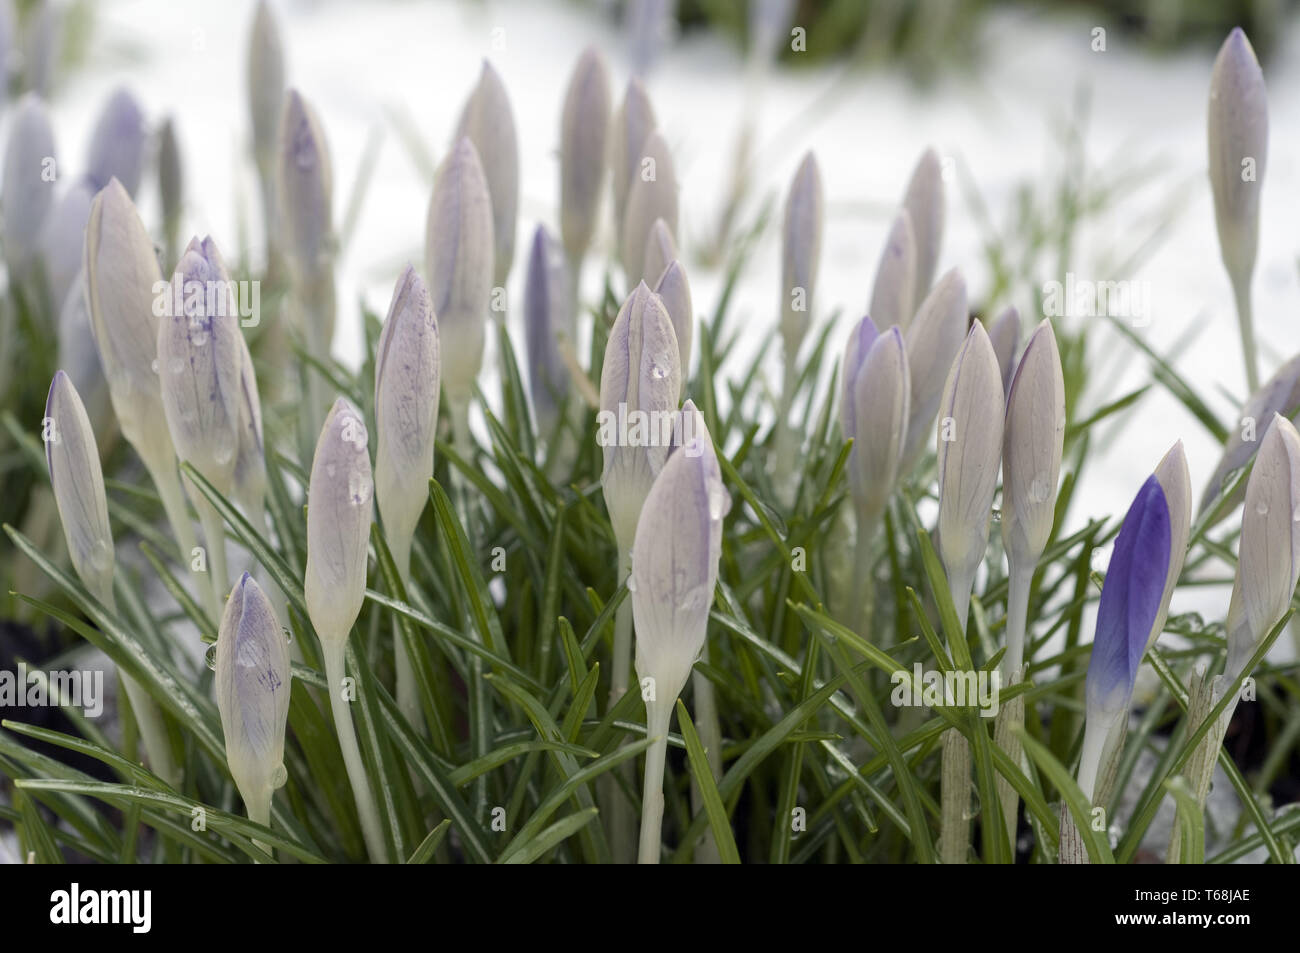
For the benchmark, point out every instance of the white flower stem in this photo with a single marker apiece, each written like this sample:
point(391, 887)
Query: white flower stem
point(862, 598)
point(658, 716)
point(1019, 582)
point(622, 820)
point(955, 783)
point(167, 481)
point(622, 659)
point(1245, 318)
point(258, 804)
point(408, 688)
point(782, 438)
point(366, 809)
point(706, 720)
point(214, 534)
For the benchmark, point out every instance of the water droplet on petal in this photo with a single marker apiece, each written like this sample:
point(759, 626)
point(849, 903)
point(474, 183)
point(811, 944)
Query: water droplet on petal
point(153, 365)
point(288, 633)
point(360, 487)
point(631, 583)
point(210, 656)
point(996, 515)
point(1040, 489)
point(279, 776)
point(175, 366)
point(1261, 508)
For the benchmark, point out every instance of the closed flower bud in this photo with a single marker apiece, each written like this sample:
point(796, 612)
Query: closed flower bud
point(1004, 333)
point(548, 320)
point(338, 525)
point(873, 413)
point(660, 249)
point(78, 483)
point(249, 487)
point(200, 363)
point(970, 446)
point(117, 145)
point(651, 195)
point(891, 295)
point(62, 238)
point(306, 190)
point(675, 292)
point(640, 381)
point(675, 560)
point(933, 340)
point(801, 248)
point(29, 180)
point(1268, 557)
point(458, 243)
point(406, 407)
point(1031, 455)
point(78, 358)
point(584, 129)
point(924, 204)
point(1238, 138)
point(253, 679)
point(488, 122)
point(1176, 484)
point(265, 81)
point(631, 127)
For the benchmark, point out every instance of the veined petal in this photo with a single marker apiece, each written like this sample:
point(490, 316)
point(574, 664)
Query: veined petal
point(801, 247)
point(933, 339)
point(631, 127)
point(488, 122)
point(891, 295)
point(651, 195)
point(1005, 335)
point(924, 204)
point(548, 319)
point(1176, 483)
point(306, 188)
point(675, 292)
point(584, 131)
point(1238, 141)
point(881, 392)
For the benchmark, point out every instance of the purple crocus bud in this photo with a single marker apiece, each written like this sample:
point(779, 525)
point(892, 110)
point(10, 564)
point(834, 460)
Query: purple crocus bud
point(117, 146)
point(548, 321)
point(78, 483)
point(675, 292)
point(648, 23)
point(1005, 335)
point(1130, 603)
point(924, 204)
point(407, 369)
point(970, 447)
point(933, 340)
point(265, 82)
point(458, 243)
point(488, 122)
point(253, 679)
point(62, 238)
point(1176, 483)
point(660, 249)
point(28, 190)
point(306, 190)
point(801, 247)
point(338, 526)
point(632, 126)
point(584, 130)
point(200, 364)
point(873, 413)
point(640, 381)
point(1268, 557)
point(1280, 394)
point(652, 195)
point(891, 295)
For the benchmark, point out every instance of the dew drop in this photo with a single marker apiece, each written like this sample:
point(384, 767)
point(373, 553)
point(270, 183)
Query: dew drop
point(1040, 489)
point(210, 656)
point(1261, 508)
point(153, 365)
point(175, 366)
point(631, 583)
point(199, 337)
point(694, 600)
point(719, 502)
point(360, 487)
point(657, 372)
point(224, 451)
point(279, 776)
point(288, 633)
point(996, 515)
point(101, 556)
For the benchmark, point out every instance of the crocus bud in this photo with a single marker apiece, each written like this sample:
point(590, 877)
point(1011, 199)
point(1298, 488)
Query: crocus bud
point(873, 414)
point(1238, 137)
point(78, 484)
point(1176, 484)
point(253, 679)
point(200, 364)
point(651, 195)
point(78, 358)
point(62, 238)
point(28, 190)
point(306, 188)
point(1129, 606)
point(1268, 556)
point(1005, 335)
point(660, 249)
point(675, 292)
point(640, 381)
point(891, 295)
point(265, 81)
point(933, 340)
point(1034, 433)
point(801, 248)
point(41, 34)
point(117, 143)
point(458, 243)
point(924, 204)
point(1278, 395)
point(632, 126)
point(584, 129)
point(338, 525)
point(548, 320)
point(675, 560)
point(249, 489)
point(406, 406)
point(488, 122)
point(970, 446)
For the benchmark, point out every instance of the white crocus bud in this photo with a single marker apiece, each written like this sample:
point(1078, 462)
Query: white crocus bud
point(117, 144)
point(1176, 482)
point(651, 195)
point(249, 488)
point(306, 188)
point(675, 292)
point(548, 326)
point(584, 130)
point(933, 340)
point(924, 204)
point(640, 381)
point(660, 249)
point(1004, 333)
point(63, 238)
point(265, 82)
point(891, 295)
point(29, 180)
point(801, 244)
point(874, 415)
point(253, 679)
point(1268, 557)
point(970, 446)
point(631, 127)
point(459, 246)
point(488, 122)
